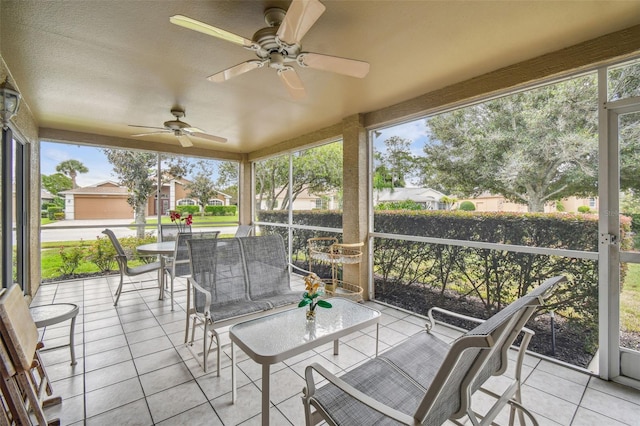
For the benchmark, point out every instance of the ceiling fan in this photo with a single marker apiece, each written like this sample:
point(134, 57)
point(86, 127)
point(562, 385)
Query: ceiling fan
point(182, 130)
point(278, 45)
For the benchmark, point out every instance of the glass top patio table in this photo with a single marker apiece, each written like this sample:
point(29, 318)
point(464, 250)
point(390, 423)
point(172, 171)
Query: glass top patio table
point(276, 337)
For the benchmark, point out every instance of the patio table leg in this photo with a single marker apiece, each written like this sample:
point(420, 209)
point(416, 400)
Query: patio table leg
point(265, 394)
point(336, 345)
point(233, 373)
point(377, 331)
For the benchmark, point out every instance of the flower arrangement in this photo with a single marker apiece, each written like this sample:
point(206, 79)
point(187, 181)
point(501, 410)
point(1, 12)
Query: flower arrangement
point(314, 287)
point(181, 221)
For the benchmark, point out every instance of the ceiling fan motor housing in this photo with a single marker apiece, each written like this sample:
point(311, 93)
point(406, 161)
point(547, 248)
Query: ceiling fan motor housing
point(268, 41)
point(176, 125)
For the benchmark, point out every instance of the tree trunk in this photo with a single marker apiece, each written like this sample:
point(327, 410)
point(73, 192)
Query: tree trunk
point(535, 205)
point(140, 220)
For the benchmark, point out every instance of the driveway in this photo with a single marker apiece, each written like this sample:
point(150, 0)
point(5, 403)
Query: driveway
point(74, 230)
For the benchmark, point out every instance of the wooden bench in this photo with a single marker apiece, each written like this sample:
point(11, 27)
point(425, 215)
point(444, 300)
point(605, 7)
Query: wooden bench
point(235, 279)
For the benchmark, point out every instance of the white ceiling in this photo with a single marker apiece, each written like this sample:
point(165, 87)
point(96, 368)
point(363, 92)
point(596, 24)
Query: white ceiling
point(97, 66)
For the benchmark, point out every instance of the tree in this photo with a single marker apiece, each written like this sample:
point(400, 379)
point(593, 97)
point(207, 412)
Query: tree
point(201, 187)
point(56, 183)
point(531, 147)
point(227, 180)
point(136, 171)
point(316, 170)
point(395, 165)
point(71, 168)
point(448, 202)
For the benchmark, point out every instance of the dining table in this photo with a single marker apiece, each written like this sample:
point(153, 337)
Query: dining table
point(165, 250)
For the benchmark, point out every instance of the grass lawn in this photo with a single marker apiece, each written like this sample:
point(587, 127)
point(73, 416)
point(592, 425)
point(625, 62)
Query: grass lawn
point(205, 221)
point(630, 300)
point(46, 221)
point(51, 263)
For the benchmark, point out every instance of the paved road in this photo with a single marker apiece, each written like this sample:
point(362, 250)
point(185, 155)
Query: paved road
point(73, 230)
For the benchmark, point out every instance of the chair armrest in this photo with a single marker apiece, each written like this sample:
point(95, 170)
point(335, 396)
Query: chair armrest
point(354, 393)
point(207, 297)
point(299, 268)
point(432, 320)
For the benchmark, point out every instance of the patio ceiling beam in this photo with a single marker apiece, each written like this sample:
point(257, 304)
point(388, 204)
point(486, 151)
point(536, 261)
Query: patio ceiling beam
point(56, 135)
point(316, 137)
point(582, 57)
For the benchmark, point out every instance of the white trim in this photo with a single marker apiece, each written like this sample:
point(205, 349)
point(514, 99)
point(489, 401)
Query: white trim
point(590, 255)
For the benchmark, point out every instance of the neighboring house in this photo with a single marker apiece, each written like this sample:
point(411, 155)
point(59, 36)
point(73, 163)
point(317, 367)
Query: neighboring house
point(487, 202)
point(305, 201)
point(104, 200)
point(108, 200)
point(427, 197)
point(179, 196)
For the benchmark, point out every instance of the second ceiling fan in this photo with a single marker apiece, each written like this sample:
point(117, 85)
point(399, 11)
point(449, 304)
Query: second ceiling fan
point(278, 46)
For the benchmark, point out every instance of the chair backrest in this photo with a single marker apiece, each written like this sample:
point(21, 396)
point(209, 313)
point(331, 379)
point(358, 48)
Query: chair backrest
point(267, 266)
point(217, 265)
point(181, 262)
point(498, 362)
point(169, 232)
point(243, 231)
point(19, 332)
point(116, 244)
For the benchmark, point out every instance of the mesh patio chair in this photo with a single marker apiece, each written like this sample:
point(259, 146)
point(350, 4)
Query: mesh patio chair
point(425, 381)
point(178, 264)
point(169, 232)
point(125, 269)
point(243, 231)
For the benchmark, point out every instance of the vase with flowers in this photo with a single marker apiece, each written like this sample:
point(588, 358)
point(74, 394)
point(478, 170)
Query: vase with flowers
point(314, 288)
point(182, 222)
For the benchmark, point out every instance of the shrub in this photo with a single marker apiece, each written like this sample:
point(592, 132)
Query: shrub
point(188, 209)
point(52, 210)
point(635, 221)
point(71, 258)
point(102, 254)
point(584, 209)
point(58, 215)
point(399, 205)
point(467, 206)
point(494, 276)
point(221, 210)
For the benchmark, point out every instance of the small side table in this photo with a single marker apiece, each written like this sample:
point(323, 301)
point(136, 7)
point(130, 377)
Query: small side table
point(53, 314)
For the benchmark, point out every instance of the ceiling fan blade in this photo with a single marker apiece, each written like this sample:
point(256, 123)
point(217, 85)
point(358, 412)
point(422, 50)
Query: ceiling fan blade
point(184, 140)
point(195, 25)
point(207, 136)
point(147, 127)
point(301, 16)
point(350, 67)
point(290, 78)
point(236, 70)
point(150, 133)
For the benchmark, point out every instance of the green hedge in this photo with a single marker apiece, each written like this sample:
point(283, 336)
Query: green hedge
point(52, 210)
point(495, 277)
point(221, 210)
point(188, 209)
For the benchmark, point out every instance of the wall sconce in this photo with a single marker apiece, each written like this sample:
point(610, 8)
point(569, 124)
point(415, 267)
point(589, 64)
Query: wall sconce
point(9, 102)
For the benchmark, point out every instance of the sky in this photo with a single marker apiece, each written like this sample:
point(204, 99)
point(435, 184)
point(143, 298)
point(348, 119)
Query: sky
point(415, 131)
point(100, 170)
point(52, 154)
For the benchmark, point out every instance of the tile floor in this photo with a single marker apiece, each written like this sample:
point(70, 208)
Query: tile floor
point(133, 369)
